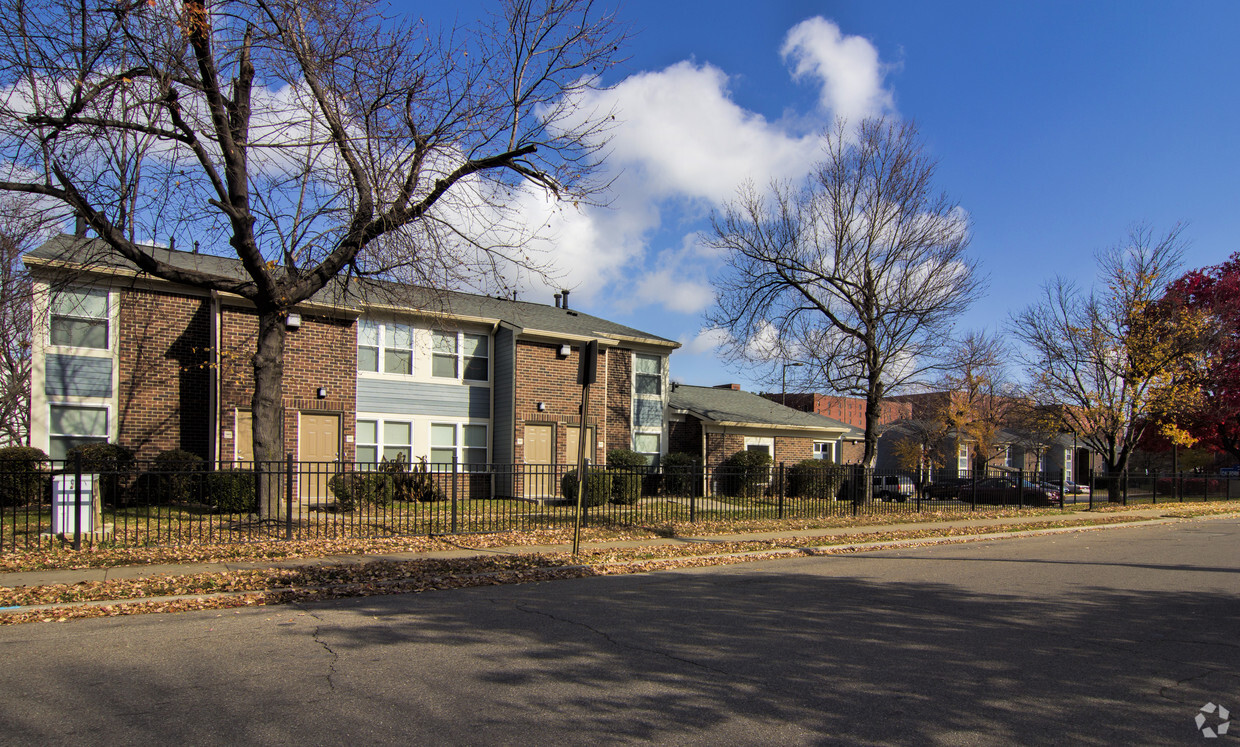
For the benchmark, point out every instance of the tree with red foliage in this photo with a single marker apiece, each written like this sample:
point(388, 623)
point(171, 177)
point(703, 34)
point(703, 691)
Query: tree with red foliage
point(1216, 291)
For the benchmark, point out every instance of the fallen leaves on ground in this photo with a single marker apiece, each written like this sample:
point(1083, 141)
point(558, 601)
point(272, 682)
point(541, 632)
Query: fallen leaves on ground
point(264, 586)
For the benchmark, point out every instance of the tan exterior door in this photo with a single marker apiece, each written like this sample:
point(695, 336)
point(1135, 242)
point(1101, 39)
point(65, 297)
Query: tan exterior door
point(572, 443)
point(540, 478)
point(243, 436)
point(318, 444)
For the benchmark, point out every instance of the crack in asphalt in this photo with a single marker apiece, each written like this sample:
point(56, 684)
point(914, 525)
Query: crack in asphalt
point(331, 665)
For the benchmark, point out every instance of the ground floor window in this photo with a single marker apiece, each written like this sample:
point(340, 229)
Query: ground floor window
point(648, 445)
point(824, 450)
point(75, 425)
point(458, 443)
point(384, 440)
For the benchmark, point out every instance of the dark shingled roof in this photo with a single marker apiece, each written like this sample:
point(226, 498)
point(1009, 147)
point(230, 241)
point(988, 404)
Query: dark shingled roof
point(738, 407)
point(355, 295)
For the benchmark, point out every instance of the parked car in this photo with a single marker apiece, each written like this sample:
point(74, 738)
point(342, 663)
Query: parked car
point(944, 488)
point(1005, 491)
point(893, 488)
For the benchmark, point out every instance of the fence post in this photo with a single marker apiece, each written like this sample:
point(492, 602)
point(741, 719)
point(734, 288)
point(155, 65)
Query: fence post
point(288, 496)
point(693, 505)
point(77, 500)
point(455, 481)
point(973, 494)
point(1091, 488)
point(1123, 485)
point(1154, 490)
point(1020, 488)
point(781, 491)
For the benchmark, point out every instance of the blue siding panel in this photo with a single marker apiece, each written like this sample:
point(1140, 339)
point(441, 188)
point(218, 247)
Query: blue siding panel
point(503, 421)
point(78, 376)
point(421, 398)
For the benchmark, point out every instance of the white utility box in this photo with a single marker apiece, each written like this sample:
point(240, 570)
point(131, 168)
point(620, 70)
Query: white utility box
point(64, 496)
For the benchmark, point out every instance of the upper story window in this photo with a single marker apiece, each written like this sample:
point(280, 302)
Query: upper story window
point(648, 376)
point(386, 347)
point(456, 356)
point(80, 318)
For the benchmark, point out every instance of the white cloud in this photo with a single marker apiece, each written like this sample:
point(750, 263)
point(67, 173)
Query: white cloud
point(680, 134)
point(707, 341)
point(847, 67)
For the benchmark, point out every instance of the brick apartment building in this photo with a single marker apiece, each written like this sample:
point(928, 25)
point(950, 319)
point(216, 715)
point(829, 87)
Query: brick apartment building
point(458, 378)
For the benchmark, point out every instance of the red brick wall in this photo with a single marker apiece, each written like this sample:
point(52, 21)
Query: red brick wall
point(542, 375)
point(321, 353)
point(720, 446)
point(791, 450)
point(164, 377)
point(850, 410)
point(685, 437)
point(620, 399)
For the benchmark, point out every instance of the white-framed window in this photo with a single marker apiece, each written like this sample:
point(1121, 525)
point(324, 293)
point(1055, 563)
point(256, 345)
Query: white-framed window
point(458, 443)
point(648, 405)
point(73, 425)
point(647, 375)
point(648, 445)
point(79, 318)
point(962, 458)
point(384, 346)
point(460, 356)
point(475, 356)
point(443, 355)
point(824, 450)
point(377, 440)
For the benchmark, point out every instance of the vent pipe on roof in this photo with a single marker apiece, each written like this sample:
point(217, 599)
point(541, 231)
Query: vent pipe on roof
point(79, 224)
point(557, 300)
point(564, 292)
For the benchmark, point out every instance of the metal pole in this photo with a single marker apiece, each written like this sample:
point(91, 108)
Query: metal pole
point(781, 490)
point(77, 500)
point(454, 495)
point(288, 496)
point(582, 477)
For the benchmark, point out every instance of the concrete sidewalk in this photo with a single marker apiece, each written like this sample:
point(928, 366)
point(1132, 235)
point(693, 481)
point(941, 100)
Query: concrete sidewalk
point(49, 577)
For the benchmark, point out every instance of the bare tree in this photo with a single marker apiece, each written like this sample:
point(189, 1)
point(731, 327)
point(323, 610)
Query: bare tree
point(977, 392)
point(858, 272)
point(15, 326)
point(1109, 362)
point(312, 138)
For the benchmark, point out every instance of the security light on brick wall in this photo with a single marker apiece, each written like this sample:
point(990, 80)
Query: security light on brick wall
point(322, 392)
point(565, 350)
point(293, 321)
point(542, 406)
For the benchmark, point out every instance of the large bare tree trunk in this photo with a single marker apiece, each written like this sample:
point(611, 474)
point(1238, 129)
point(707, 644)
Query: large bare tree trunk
point(268, 407)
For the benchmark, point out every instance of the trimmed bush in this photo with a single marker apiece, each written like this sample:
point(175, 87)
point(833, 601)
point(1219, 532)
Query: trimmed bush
point(627, 468)
point(682, 474)
point(745, 473)
point(814, 478)
point(232, 492)
point(100, 457)
point(362, 488)
point(23, 475)
point(112, 462)
point(598, 487)
point(175, 477)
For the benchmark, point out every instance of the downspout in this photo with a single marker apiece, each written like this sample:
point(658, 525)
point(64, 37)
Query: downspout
point(213, 388)
point(705, 468)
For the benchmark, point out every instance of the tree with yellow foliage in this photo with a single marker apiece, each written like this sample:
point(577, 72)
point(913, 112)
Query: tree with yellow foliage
point(1111, 362)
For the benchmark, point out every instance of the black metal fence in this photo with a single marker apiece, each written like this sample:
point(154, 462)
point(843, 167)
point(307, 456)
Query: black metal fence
point(144, 504)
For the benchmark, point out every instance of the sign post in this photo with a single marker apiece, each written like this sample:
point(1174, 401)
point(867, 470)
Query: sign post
point(587, 374)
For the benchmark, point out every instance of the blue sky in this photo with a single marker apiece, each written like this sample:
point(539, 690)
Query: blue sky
point(1057, 126)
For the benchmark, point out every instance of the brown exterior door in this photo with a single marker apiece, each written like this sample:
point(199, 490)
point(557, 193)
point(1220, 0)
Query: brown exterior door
point(540, 477)
point(318, 444)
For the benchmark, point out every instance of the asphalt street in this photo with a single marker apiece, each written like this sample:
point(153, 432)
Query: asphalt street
point(1100, 637)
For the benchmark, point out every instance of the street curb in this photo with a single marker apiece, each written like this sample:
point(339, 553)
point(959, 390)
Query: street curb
point(756, 555)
